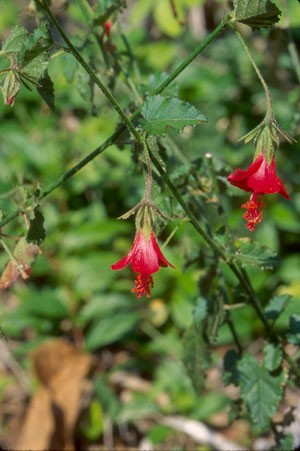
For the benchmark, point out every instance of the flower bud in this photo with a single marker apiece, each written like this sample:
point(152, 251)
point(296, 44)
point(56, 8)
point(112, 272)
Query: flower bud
point(10, 87)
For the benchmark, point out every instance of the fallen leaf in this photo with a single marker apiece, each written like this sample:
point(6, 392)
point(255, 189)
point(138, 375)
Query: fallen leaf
point(53, 410)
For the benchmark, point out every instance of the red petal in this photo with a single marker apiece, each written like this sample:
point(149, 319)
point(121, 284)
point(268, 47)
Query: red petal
point(162, 260)
point(145, 259)
point(239, 177)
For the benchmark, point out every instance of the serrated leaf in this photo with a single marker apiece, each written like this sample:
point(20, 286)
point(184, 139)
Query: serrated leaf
point(276, 306)
point(160, 112)
point(36, 66)
point(46, 90)
point(110, 329)
point(16, 39)
point(294, 330)
point(36, 233)
point(38, 41)
point(256, 13)
point(24, 254)
point(272, 357)
point(284, 443)
point(255, 254)
point(230, 374)
point(195, 357)
point(260, 391)
point(155, 80)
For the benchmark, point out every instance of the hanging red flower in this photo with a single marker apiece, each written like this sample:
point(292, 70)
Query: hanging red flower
point(260, 178)
point(145, 257)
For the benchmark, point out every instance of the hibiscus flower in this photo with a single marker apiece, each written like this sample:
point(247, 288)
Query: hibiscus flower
point(146, 258)
point(260, 178)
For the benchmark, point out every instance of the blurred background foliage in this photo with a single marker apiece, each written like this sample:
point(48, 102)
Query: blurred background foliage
point(72, 292)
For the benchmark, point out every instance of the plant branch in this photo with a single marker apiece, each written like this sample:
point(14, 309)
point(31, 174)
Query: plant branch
point(110, 141)
point(270, 111)
point(90, 71)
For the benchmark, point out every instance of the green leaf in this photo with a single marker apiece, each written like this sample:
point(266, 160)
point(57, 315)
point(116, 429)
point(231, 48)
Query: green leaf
point(272, 357)
point(35, 67)
point(294, 330)
point(160, 113)
point(105, 8)
point(155, 80)
point(36, 233)
point(256, 13)
point(107, 398)
point(46, 90)
point(260, 391)
point(230, 374)
point(37, 43)
point(284, 443)
point(255, 254)
point(195, 357)
point(86, 10)
point(16, 39)
point(200, 310)
point(215, 317)
point(276, 306)
point(110, 329)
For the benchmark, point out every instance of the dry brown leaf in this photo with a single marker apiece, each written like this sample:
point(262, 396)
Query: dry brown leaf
point(53, 410)
point(24, 254)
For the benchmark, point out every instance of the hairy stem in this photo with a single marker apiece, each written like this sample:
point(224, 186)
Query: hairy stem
point(91, 73)
point(270, 111)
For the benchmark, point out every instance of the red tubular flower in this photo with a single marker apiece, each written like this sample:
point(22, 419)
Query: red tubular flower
point(260, 178)
point(145, 257)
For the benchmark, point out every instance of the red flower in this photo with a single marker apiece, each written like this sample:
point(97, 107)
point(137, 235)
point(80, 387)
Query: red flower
point(145, 257)
point(260, 178)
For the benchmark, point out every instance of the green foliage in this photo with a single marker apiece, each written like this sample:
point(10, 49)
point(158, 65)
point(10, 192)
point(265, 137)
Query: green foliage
point(108, 330)
point(36, 232)
point(105, 8)
point(272, 357)
point(259, 389)
point(161, 113)
point(294, 330)
point(256, 13)
point(276, 306)
point(254, 253)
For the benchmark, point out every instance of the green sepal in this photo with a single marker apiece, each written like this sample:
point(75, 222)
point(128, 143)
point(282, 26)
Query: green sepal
point(145, 220)
point(10, 87)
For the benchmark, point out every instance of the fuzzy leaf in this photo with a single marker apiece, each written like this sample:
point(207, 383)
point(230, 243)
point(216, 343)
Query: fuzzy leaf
point(294, 331)
point(46, 90)
point(256, 13)
point(284, 442)
point(36, 233)
point(37, 66)
point(272, 357)
point(260, 391)
point(253, 253)
point(16, 39)
point(24, 254)
point(230, 375)
point(276, 306)
point(196, 357)
point(160, 113)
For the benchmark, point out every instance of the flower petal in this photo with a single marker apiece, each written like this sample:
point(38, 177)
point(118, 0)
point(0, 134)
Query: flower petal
point(144, 259)
point(162, 260)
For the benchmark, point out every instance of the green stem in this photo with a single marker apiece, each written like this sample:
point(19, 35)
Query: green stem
point(270, 111)
point(122, 128)
point(211, 242)
point(91, 73)
point(13, 259)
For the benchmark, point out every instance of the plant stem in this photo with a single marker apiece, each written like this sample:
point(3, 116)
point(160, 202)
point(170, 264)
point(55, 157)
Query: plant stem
point(270, 111)
point(211, 242)
point(122, 128)
point(91, 73)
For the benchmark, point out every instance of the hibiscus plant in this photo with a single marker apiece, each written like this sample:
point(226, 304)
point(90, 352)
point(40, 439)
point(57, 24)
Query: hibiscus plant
point(179, 193)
